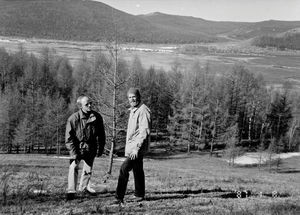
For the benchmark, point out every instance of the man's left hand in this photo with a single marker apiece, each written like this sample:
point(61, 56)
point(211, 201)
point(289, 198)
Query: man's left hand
point(133, 155)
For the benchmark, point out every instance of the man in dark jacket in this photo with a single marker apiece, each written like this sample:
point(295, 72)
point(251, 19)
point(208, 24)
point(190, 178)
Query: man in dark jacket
point(85, 139)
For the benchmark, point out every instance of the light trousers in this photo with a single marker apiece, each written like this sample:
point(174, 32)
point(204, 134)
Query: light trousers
point(85, 175)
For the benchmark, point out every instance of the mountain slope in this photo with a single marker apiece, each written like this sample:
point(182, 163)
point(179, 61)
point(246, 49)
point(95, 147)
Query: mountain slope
point(241, 30)
point(87, 20)
point(271, 27)
point(192, 24)
point(287, 40)
point(74, 20)
point(82, 20)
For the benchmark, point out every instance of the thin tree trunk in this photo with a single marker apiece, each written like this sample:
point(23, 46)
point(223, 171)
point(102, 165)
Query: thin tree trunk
point(114, 112)
point(191, 123)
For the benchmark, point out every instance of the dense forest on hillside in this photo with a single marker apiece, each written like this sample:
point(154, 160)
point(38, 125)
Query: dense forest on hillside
point(191, 106)
point(288, 41)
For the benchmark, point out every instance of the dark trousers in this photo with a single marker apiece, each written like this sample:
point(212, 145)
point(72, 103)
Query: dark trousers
point(139, 177)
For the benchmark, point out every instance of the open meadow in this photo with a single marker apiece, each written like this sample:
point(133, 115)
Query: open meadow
point(178, 184)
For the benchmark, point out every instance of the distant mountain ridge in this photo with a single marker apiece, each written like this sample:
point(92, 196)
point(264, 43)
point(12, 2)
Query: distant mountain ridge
point(86, 20)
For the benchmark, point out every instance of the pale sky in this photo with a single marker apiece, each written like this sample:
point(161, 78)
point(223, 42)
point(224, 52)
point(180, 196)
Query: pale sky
point(215, 10)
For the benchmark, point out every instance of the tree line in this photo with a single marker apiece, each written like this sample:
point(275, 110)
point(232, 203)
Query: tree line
point(289, 41)
point(192, 106)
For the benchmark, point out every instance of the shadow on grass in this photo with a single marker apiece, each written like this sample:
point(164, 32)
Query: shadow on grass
point(289, 170)
point(21, 166)
point(173, 155)
point(166, 197)
point(31, 198)
point(226, 194)
point(53, 198)
point(216, 190)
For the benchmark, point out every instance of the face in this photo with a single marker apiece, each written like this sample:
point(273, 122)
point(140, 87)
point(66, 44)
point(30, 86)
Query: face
point(133, 101)
point(86, 105)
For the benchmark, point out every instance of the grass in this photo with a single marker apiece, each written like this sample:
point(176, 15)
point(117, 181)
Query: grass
point(179, 184)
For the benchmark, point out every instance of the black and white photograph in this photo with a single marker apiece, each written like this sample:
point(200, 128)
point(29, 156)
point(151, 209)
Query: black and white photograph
point(150, 107)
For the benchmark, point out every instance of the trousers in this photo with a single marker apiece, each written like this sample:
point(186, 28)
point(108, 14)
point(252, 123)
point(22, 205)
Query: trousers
point(85, 175)
point(139, 177)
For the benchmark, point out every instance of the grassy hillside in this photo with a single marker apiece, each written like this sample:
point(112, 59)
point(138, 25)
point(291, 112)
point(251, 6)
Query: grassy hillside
point(237, 30)
point(271, 27)
point(192, 24)
point(67, 20)
point(174, 185)
point(84, 21)
point(286, 40)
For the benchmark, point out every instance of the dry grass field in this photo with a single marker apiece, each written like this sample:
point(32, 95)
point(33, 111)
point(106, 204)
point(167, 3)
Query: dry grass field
point(178, 184)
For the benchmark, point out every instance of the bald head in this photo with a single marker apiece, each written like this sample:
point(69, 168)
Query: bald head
point(84, 103)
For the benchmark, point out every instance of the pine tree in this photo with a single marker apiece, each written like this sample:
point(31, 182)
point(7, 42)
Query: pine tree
point(56, 114)
point(136, 73)
point(64, 78)
point(190, 117)
point(4, 69)
point(4, 122)
point(279, 118)
point(23, 135)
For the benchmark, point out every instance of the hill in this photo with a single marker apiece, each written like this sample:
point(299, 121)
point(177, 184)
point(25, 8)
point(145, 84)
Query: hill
point(192, 24)
point(237, 30)
point(287, 40)
point(67, 20)
point(83, 21)
point(86, 20)
point(265, 28)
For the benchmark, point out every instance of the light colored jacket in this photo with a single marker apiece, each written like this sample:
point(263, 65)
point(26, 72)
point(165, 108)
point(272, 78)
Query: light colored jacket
point(138, 130)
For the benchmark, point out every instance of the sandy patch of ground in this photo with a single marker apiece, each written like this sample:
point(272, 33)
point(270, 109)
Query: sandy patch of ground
point(256, 158)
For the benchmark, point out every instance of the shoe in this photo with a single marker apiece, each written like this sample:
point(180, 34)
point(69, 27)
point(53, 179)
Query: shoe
point(119, 202)
point(90, 189)
point(89, 192)
point(138, 198)
point(70, 196)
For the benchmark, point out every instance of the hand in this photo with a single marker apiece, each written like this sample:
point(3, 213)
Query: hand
point(133, 155)
point(78, 158)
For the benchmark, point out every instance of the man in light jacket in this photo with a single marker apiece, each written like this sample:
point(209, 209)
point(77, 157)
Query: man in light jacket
point(137, 143)
point(85, 138)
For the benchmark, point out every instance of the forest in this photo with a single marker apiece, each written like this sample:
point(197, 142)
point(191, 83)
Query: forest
point(289, 41)
point(192, 107)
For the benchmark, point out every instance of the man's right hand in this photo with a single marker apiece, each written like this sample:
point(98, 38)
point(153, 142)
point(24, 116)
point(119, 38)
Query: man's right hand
point(99, 154)
point(133, 155)
point(77, 158)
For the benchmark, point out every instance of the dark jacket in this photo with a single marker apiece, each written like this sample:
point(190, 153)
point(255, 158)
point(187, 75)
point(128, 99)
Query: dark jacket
point(85, 136)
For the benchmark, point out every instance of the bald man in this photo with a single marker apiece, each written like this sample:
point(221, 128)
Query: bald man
point(85, 139)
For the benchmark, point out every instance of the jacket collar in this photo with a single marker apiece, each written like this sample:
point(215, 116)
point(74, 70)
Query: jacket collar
point(89, 118)
point(134, 109)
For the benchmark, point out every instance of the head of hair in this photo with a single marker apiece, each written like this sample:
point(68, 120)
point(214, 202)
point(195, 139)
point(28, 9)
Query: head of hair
point(79, 100)
point(134, 91)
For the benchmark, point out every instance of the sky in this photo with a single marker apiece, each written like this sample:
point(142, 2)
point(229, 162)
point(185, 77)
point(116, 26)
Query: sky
point(215, 10)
